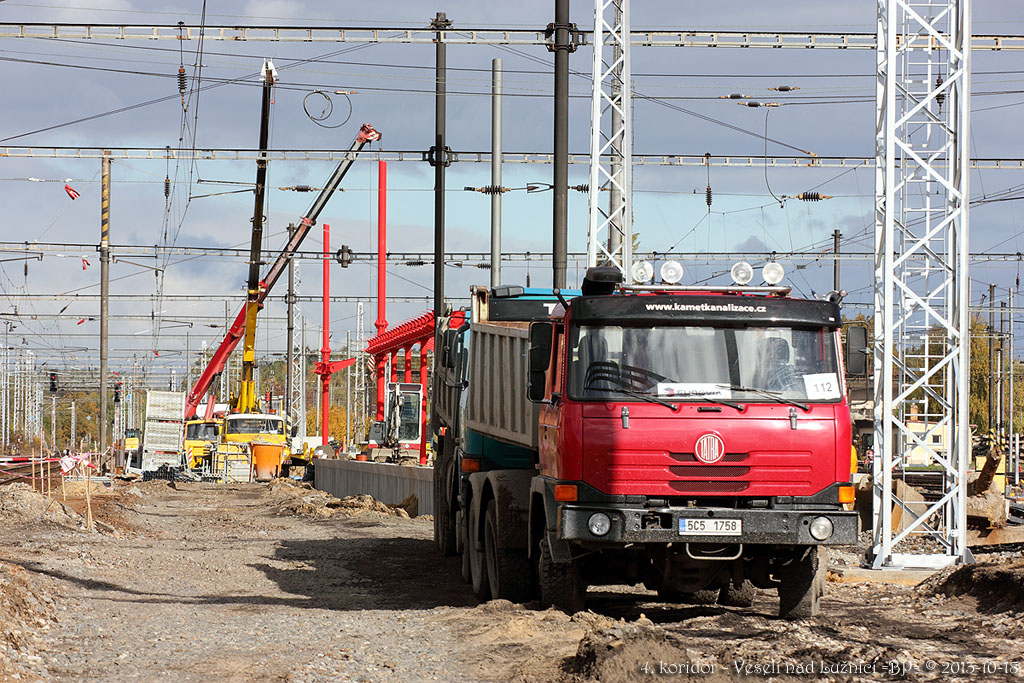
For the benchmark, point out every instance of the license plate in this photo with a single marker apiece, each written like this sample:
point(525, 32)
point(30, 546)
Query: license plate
point(710, 527)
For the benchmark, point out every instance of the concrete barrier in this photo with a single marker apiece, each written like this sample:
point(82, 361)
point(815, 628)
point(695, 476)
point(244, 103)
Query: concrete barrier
point(386, 482)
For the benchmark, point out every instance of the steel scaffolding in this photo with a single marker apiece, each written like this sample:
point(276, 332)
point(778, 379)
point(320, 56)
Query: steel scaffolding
point(921, 332)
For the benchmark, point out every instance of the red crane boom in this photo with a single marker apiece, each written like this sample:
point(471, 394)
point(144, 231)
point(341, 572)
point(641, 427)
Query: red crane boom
point(237, 329)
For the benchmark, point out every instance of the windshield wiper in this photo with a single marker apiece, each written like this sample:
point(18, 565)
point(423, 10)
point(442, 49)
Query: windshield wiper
point(768, 394)
point(637, 394)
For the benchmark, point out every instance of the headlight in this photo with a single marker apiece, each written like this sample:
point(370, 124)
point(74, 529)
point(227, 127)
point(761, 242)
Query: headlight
point(821, 528)
point(599, 524)
point(773, 272)
point(642, 271)
point(742, 273)
point(671, 272)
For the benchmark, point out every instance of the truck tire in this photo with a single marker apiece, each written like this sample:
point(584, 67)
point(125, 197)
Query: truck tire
point(802, 583)
point(467, 572)
point(444, 518)
point(477, 566)
point(559, 585)
point(508, 570)
point(742, 595)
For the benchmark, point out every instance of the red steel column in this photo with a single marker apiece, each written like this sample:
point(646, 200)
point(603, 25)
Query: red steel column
point(325, 349)
point(382, 232)
point(394, 365)
point(423, 403)
point(408, 365)
point(380, 358)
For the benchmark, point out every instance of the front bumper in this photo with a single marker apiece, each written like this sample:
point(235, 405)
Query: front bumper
point(661, 525)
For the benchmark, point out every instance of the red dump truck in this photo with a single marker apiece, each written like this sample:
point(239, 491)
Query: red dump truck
point(695, 440)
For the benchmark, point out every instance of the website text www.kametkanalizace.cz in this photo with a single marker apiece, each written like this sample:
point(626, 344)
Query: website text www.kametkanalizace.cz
point(707, 308)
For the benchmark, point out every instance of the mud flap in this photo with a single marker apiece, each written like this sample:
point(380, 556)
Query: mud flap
point(561, 552)
point(511, 493)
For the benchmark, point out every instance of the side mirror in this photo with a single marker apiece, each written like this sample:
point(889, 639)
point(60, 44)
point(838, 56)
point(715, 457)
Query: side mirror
point(857, 351)
point(541, 334)
point(295, 431)
point(448, 349)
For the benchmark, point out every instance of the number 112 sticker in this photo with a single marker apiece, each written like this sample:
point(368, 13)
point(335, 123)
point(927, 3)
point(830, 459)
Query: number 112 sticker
point(822, 385)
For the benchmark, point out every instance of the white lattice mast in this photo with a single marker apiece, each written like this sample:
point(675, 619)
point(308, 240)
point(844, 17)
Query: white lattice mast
point(297, 399)
point(922, 323)
point(610, 233)
point(362, 387)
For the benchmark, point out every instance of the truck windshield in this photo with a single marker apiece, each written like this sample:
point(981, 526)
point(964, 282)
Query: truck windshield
point(697, 363)
point(255, 425)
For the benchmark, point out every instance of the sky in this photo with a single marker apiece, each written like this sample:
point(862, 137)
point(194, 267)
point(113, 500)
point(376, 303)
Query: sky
point(124, 93)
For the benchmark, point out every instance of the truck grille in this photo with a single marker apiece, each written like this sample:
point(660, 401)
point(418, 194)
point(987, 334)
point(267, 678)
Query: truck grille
point(724, 486)
point(706, 471)
point(714, 478)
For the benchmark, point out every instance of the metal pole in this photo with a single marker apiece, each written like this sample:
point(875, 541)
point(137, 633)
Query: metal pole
point(288, 378)
point(188, 358)
point(991, 355)
point(104, 292)
point(348, 392)
point(615, 189)
point(560, 175)
point(1000, 365)
point(325, 349)
point(835, 261)
point(73, 438)
point(1010, 362)
point(53, 421)
point(496, 104)
point(439, 158)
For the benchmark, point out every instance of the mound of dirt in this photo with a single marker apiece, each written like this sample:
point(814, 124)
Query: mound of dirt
point(633, 652)
point(26, 612)
point(997, 587)
point(302, 499)
point(77, 488)
point(22, 505)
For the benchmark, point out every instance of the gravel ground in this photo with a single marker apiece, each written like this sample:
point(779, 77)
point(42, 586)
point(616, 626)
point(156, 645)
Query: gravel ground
point(256, 582)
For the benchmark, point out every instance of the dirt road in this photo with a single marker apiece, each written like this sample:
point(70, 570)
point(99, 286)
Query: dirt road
point(250, 582)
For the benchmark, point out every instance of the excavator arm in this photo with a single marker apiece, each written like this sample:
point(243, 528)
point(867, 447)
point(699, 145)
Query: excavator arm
point(237, 329)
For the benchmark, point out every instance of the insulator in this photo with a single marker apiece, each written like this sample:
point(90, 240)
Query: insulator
point(734, 96)
point(785, 88)
point(812, 196)
point(941, 97)
point(167, 187)
point(182, 80)
point(707, 196)
point(580, 188)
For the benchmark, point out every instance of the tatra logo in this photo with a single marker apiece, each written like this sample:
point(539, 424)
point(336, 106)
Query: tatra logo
point(710, 448)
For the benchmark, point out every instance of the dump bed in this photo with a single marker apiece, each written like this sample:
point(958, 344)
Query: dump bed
point(496, 403)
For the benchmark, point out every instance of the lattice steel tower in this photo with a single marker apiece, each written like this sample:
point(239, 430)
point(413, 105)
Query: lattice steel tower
point(610, 233)
point(921, 334)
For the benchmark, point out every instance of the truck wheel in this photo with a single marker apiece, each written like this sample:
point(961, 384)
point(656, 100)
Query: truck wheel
point(467, 573)
point(742, 595)
point(802, 583)
point(508, 570)
point(446, 527)
point(560, 584)
point(444, 519)
point(477, 566)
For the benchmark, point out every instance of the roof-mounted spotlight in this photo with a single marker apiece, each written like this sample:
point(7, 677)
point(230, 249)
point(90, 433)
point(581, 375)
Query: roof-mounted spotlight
point(773, 272)
point(671, 272)
point(642, 272)
point(742, 273)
